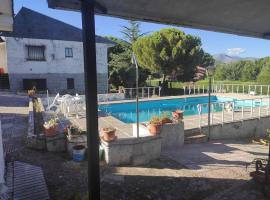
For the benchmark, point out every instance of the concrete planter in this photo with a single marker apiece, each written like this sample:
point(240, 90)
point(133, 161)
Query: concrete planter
point(172, 134)
point(34, 140)
point(132, 151)
point(56, 143)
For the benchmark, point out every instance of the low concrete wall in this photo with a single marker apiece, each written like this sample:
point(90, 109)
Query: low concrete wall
point(237, 130)
point(111, 97)
point(34, 140)
point(132, 151)
point(30, 119)
point(172, 134)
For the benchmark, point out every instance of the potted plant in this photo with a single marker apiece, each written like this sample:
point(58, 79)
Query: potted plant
point(74, 131)
point(108, 134)
point(165, 118)
point(31, 93)
point(50, 127)
point(154, 125)
point(178, 115)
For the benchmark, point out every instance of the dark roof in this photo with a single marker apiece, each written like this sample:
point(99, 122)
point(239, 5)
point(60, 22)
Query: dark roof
point(31, 24)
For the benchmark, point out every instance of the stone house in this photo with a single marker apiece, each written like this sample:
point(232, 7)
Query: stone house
point(48, 54)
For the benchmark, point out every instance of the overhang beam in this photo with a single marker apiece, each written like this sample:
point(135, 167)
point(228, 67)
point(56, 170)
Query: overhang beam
point(241, 17)
point(75, 5)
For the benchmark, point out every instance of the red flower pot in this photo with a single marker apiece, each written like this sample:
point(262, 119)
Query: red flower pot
point(166, 121)
point(178, 114)
point(50, 131)
point(154, 129)
point(108, 134)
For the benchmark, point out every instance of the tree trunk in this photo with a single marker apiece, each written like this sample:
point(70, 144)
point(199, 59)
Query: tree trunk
point(164, 86)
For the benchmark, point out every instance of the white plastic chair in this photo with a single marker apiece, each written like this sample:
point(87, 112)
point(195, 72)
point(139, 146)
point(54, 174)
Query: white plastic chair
point(54, 103)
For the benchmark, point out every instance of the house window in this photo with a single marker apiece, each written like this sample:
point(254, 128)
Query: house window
point(68, 52)
point(36, 53)
point(70, 83)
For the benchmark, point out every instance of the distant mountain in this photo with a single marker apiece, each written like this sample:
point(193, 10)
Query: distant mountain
point(224, 58)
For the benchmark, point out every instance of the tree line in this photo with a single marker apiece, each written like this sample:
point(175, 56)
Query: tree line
point(257, 70)
point(167, 53)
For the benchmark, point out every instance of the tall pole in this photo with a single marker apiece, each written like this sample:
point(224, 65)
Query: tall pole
point(137, 94)
point(209, 107)
point(269, 155)
point(90, 75)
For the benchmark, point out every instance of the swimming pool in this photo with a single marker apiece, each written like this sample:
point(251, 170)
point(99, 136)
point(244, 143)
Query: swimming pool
point(126, 112)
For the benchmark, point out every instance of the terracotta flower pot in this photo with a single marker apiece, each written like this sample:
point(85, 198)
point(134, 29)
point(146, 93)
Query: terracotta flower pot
point(73, 132)
point(108, 134)
point(154, 129)
point(178, 114)
point(50, 131)
point(166, 121)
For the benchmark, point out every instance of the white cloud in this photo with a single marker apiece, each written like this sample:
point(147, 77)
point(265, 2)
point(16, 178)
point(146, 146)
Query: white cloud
point(235, 51)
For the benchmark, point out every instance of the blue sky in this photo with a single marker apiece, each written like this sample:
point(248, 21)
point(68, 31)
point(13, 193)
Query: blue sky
point(213, 42)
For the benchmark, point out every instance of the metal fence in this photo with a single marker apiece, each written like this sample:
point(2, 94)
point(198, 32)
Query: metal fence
point(230, 111)
point(227, 88)
point(144, 92)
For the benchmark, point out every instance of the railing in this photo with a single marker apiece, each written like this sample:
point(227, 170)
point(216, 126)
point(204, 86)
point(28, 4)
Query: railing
point(230, 111)
point(144, 92)
point(227, 88)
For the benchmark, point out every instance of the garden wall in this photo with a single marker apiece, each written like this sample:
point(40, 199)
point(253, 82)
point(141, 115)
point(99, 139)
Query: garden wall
point(172, 134)
point(35, 139)
point(111, 97)
point(132, 151)
point(138, 151)
point(238, 130)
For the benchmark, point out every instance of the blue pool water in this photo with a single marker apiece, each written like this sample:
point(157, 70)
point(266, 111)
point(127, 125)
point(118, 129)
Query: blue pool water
point(126, 112)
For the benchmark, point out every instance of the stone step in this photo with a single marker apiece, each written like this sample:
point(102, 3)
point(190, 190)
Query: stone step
point(195, 139)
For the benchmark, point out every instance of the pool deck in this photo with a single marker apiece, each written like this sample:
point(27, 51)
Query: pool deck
point(124, 130)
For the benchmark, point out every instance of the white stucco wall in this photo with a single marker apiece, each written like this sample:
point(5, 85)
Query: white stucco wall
point(56, 62)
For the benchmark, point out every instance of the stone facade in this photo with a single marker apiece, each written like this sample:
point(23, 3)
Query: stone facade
point(56, 68)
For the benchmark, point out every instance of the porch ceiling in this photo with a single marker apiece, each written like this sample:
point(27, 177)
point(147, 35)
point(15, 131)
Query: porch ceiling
point(6, 15)
point(241, 17)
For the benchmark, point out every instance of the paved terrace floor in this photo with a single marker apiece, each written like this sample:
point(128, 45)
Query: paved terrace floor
point(207, 171)
point(124, 130)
